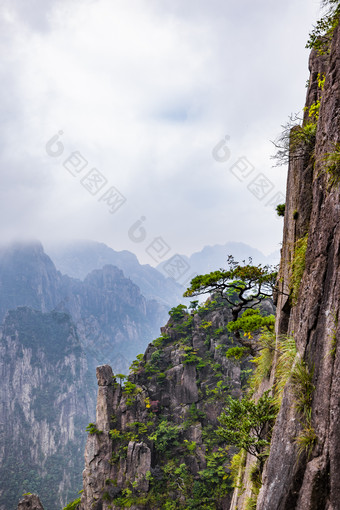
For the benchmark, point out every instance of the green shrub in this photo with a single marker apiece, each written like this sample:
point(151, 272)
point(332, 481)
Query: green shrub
point(136, 365)
point(313, 114)
point(296, 141)
point(218, 332)
point(237, 353)
point(306, 440)
point(115, 434)
point(155, 357)
point(138, 427)
point(251, 321)
point(73, 505)
point(190, 445)
point(92, 429)
point(287, 351)
point(165, 435)
point(244, 422)
point(298, 265)
point(280, 209)
point(237, 465)
point(129, 388)
point(331, 165)
point(178, 312)
point(250, 503)
point(303, 388)
point(321, 36)
point(264, 360)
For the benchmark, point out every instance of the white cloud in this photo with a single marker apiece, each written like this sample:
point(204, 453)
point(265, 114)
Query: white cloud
point(144, 90)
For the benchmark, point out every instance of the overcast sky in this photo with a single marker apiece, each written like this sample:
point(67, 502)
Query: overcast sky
point(143, 92)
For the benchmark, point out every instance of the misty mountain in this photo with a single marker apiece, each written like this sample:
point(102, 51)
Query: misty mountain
point(211, 258)
point(55, 330)
point(79, 258)
point(114, 320)
point(47, 396)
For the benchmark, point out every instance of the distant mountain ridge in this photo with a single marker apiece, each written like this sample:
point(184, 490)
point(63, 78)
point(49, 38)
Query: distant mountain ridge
point(211, 258)
point(55, 330)
point(79, 258)
point(113, 318)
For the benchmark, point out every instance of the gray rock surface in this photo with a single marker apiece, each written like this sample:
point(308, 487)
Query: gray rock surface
point(168, 394)
point(30, 502)
point(45, 404)
point(293, 480)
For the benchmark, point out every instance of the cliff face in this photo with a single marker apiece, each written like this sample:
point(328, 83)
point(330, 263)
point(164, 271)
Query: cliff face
point(303, 468)
point(45, 404)
point(48, 360)
point(27, 278)
point(314, 482)
point(80, 258)
point(154, 438)
point(153, 441)
point(114, 320)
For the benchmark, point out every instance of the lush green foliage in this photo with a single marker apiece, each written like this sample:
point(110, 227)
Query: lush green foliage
point(92, 429)
point(178, 312)
point(264, 361)
point(237, 353)
point(287, 351)
point(251, 321)
point(280, 209)
point(321, 36)
point(247, 424)
point(295, 141)
point(174, 446)
point(165, 435)
point(297, 267)
point(73, 505)
point(239, 285)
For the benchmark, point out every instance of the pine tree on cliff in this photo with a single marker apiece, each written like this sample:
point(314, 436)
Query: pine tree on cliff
point(243, 287)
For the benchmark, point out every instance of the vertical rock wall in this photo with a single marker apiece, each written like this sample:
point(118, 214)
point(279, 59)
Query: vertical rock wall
point(292, 480)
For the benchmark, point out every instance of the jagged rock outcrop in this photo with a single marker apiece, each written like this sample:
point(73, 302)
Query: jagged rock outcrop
point(45, 404)
point(30, 502)
point(114, 320)
point(79, 258)
point(154, 438)
point(111, 321)
point(305, 474)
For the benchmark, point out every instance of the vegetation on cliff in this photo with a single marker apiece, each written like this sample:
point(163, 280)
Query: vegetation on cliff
point(181, 404)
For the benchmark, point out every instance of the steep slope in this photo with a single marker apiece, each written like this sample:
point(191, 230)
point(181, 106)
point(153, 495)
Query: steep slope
point(114, 320)
point(313, 482)
point(45, 404)
point(303, 468)
point(153, 441)
point(79, 258)
point(27, 278)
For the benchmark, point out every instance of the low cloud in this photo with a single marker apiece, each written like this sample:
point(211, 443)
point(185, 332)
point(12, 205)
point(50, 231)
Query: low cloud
point(144, 90)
